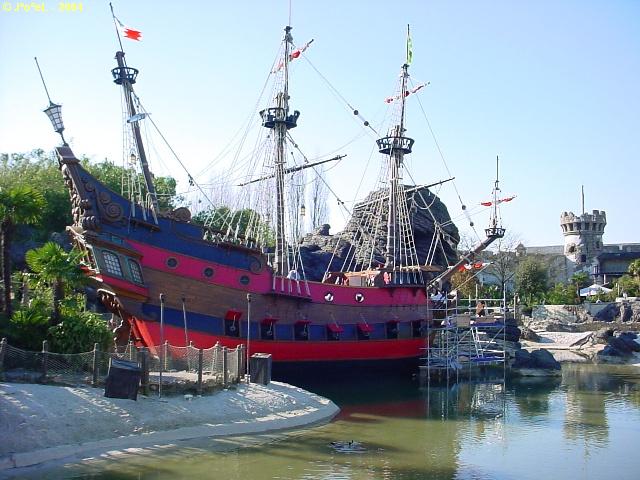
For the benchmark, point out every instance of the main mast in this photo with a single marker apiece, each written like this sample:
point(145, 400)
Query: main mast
point(395, 146)
point(126, 76)
point(278, 119)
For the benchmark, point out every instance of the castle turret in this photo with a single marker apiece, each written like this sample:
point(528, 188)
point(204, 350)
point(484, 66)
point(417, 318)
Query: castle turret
point(583, 235)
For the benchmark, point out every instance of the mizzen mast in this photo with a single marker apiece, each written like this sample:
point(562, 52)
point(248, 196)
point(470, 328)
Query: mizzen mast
point(277, 118)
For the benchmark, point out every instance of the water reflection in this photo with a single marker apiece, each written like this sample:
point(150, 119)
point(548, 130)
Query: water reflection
point(579, 425)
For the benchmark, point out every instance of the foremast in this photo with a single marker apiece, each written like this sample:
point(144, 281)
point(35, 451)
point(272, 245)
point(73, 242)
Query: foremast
point(125, 76)
point(278, 120)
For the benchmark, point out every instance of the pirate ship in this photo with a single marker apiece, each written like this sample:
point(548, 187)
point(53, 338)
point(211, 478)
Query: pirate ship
point(168, 278)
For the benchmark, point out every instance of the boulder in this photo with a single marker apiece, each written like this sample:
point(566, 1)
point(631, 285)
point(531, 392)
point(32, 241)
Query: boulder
point(608, 313)
point(629, 339)
point(603, 335)
point(543, 359)
point(523, 359)
point(528, 334)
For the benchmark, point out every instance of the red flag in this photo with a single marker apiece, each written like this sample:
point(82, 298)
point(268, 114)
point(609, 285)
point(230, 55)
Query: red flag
point(129, 32)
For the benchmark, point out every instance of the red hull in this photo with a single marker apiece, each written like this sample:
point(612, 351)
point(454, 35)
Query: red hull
point(293, 351)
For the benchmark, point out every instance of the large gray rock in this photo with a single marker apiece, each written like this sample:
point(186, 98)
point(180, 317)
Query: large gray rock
point(320, 248)
point(543, 359)
point(539, 359)
point(603, 335)
point(608, 313)
point(528, 334)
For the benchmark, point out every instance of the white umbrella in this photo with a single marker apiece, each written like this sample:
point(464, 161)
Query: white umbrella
point(592, 290)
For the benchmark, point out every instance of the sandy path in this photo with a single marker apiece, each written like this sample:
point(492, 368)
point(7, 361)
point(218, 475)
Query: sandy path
point(40, 423)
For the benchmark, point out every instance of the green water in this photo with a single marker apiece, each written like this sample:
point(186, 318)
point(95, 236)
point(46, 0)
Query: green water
point(585, 424)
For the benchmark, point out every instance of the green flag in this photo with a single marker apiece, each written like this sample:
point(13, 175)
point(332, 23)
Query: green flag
point(409, 47)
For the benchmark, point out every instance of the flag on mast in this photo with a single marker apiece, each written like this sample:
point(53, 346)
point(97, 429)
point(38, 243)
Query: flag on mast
point(409, 47)
point(128, 32)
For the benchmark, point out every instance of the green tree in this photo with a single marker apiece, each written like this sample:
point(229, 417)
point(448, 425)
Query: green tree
point(634, 269)
point(561, 294)
point(39, 171)
point(58, 269)
point(629, 285)
point(531, 279)
point(465, 282)
point(240, 223)
point(112, 176)
point(18, 205)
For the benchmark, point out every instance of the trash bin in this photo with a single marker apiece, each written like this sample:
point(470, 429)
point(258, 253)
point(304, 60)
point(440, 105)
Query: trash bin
point(260, 368)
point(123, 380)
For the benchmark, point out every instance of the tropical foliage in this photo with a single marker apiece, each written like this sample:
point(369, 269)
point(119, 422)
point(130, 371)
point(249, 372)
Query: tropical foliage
point(56, 273)
point(19, 204)
point(52, 309)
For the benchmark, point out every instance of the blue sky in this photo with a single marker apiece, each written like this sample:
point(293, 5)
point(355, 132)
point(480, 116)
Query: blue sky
point(549, 86)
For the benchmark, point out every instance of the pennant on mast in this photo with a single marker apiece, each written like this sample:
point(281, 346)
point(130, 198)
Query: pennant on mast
point(128, 32)
point(409, 47)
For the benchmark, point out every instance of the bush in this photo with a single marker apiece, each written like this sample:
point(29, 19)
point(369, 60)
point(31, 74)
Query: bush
point(29, 326)
point(79, 329)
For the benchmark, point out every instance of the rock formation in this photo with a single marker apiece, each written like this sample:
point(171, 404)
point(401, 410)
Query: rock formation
point(317, 248)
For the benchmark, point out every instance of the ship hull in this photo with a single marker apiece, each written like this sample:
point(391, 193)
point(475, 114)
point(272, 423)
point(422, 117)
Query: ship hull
point(167, 283)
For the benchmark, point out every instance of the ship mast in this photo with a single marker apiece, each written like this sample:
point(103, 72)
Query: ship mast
point(278, 119)
point(495, 230)
point(396, 146)
point(125, 77)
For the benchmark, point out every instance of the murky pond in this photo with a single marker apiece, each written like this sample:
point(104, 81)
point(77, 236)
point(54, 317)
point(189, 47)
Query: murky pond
point(585, 424)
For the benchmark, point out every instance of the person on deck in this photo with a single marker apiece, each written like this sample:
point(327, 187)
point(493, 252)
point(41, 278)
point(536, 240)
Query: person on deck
point(480, 309)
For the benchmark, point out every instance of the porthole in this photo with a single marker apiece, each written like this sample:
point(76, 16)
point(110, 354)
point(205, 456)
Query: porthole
point(328, 297)
point(359, 297)
point(208, 272)
point(244, 280)
point(172, 262)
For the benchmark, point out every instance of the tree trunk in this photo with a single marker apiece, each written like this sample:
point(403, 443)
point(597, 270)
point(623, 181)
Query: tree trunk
point(58, 295)
point(6, 231)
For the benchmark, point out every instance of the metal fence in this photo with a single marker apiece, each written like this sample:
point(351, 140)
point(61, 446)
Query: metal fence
point(183, 368)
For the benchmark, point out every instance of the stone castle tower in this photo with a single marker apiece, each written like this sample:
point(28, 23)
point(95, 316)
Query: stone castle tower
point(583, 236)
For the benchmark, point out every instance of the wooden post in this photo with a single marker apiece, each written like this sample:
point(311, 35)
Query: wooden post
point(45, 358)
point(240, 354)
point(143, 358)
point(144, 365)
point(3, 351)
point(225, 375)
point(95, 367)
point(200, 364)
point(165, 354)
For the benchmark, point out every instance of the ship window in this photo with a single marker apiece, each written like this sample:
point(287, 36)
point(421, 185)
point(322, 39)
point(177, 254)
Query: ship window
point(244, 280)
point(328, 297)
point(172, 262)
point(359, 297)
point(136, 273)
point(208, 272)
point(112, 263)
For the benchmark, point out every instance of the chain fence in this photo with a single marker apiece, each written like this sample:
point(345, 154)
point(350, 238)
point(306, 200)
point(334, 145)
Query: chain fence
point(180, 369)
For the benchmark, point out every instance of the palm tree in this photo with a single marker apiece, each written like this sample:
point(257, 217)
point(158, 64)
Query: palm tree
point(18, 205)
point(57, 268)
